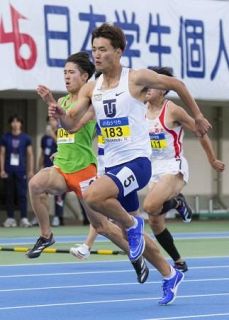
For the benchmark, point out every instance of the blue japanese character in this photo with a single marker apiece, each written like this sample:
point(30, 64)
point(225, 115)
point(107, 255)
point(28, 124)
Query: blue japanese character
point(159, 30)
point(222, 50)
point(192, 44)
point(129, 26)
point(92, 19)
point(57, 34)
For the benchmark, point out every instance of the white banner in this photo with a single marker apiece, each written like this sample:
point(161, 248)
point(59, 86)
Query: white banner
point(191, 37)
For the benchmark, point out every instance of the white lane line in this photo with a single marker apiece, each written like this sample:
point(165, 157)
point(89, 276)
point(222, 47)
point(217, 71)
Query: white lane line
point(197, 316)
point(107, 301)
point(96, 272)
point(105, 285)
point(73, 238)
point(125, 259)
point(32, 264)
point(76, 286)
point(54, 274)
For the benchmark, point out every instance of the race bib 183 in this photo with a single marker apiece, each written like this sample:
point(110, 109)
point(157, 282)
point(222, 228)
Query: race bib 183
point(117, 129)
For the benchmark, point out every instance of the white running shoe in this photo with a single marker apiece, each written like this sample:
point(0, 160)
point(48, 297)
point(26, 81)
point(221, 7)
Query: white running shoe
point(81, 252)
point(34, 222)
point(24, 223)
point(56, 221)
point(10, 223)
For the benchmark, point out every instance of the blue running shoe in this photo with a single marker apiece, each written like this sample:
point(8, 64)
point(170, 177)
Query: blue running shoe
point(183, 208)
point(136, 240)
point(170, 288)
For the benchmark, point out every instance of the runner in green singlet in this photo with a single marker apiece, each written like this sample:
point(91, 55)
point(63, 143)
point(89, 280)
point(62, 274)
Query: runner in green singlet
point(74, 163)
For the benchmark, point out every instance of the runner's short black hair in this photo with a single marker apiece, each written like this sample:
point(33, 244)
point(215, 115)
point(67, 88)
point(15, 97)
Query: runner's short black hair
point(82, 60)
point(112, 33)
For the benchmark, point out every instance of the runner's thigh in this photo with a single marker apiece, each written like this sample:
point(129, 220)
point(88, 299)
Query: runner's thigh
point(49, 180)
point(167, 187)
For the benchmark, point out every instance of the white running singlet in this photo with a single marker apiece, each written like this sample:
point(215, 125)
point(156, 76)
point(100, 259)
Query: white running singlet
point(167, 148)
point(165, 143)
point(122, 121)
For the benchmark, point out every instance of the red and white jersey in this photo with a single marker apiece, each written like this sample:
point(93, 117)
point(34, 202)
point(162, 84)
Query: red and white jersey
point(165, 143)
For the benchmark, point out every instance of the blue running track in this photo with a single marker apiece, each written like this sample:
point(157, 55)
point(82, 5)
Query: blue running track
point(108, 290)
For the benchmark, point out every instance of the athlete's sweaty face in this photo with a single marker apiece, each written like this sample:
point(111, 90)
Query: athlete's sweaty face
point(74, 79)
point(104, 54)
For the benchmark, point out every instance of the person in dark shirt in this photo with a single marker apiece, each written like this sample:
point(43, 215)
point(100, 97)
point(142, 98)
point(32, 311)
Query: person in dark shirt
point(48, 144)
point(17, 164)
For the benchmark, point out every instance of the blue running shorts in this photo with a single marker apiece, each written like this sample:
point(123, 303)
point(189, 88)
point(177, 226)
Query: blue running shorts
point(129, 178)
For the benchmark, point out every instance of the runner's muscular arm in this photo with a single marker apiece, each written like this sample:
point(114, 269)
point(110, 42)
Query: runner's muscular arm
point(148, 78)
point(89, 115)
point(216, 164)
point(70, 119)
point(181, 116)
point(45, 94)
